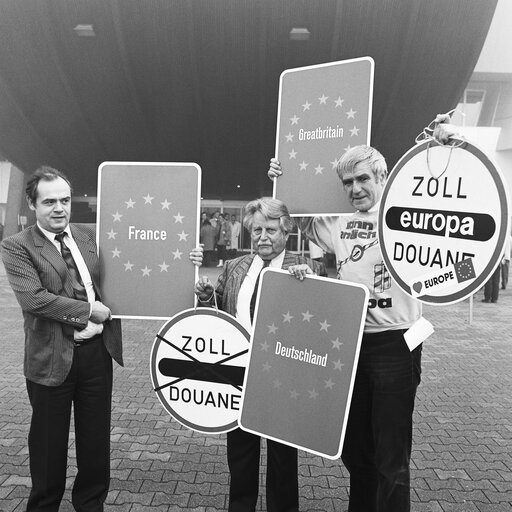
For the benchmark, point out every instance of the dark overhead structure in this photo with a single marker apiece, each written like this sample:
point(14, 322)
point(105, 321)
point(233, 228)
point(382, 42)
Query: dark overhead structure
point(85, 81)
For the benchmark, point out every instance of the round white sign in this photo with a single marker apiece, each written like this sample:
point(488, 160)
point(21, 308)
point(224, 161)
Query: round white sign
point(443, 221)
point(198, 362)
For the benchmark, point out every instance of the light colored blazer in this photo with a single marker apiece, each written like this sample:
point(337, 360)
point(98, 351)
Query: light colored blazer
point(37, 274)
point(233, 274)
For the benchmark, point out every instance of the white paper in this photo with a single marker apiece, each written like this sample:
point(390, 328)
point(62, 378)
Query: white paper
point(418, 333)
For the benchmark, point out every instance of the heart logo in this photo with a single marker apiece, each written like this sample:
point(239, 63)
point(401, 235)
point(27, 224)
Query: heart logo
point(417, 287)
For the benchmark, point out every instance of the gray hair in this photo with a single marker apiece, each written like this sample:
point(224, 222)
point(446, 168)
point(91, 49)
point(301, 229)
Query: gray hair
point(270, 209)
point(359, 154)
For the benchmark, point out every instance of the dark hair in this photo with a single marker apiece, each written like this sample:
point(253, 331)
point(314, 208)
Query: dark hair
point(44, 173)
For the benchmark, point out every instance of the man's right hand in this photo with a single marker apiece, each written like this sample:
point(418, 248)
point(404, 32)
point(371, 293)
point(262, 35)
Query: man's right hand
point(204, 289)
point(274, 170)
point(99, 313)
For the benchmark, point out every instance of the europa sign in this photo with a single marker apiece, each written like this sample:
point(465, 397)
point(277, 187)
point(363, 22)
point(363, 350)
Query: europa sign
point(198, 364)
point(443, 221)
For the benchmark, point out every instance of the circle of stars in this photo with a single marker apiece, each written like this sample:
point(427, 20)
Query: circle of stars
point(290, 137)
point(334, 367)
point(117, 222)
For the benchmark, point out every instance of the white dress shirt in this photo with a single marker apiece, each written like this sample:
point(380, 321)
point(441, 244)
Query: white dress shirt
point(243, 302)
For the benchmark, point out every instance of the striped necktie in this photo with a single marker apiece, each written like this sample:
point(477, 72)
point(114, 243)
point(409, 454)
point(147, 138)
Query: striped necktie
point(74, 274)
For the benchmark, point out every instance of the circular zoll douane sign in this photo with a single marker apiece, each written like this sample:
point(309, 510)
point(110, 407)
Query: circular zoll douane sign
point(198, 362)
point(443, 221)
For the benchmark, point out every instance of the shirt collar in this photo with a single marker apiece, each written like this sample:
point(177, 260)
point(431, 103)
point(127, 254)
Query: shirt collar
point(276, 262)
point(50, 235)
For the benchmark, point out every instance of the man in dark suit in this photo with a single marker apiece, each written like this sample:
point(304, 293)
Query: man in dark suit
point(269, 224)
point(70, 341)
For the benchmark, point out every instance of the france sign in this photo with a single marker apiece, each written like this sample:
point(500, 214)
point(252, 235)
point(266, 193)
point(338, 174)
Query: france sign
point(147, 224)
point(443, 221)
point(197, 365)
point(303, 358)
point(324, 110)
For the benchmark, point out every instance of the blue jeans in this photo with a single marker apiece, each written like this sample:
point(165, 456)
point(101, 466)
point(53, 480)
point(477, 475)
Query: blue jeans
point(378, 439)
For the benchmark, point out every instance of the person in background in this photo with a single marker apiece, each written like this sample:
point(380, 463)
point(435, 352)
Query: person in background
point(235, 228)
point(223, 239)
point(207, 237)
point(505, 263)
point(214, 219)
point(269, 225)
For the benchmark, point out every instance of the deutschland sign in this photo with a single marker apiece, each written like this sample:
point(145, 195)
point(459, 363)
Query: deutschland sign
point(443, 221)
point(198, 363)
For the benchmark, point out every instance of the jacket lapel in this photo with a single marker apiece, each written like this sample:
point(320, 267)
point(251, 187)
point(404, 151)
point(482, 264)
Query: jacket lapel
point(51, 254)
point(88, 249)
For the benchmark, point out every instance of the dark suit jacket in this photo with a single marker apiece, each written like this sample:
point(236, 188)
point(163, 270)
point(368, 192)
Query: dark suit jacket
point(233, 274)
point(38, 274)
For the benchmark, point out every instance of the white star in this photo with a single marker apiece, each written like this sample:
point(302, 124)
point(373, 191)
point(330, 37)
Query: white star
point(294, 119)
point(115, 253)
point(306, 106)
point(293, 154)
point(163, 267)
point(334, 163)
point(303, 165)
point(307, 316)
point(165, 204)
point(117, 216)
point(313, 394)
point(128, 266)
point(294, 394)
point(148, 199)
point(289, 137)
point(183, 236)
point(339, 102)
point(266, 367)
point(178, 218)
point(111, 234)
point(323, 99)
point(324, 326)
point(287, 318)
point(264, 346)
point(354, 131)
point(329, 383)
point(319, 169)
point(129, 203)
point(337, 365)
point(177, 254)
point(351, 113)
point(336, 343)
point(277, 383)
point(272, 329)
point(347, 148)
point(145, 271)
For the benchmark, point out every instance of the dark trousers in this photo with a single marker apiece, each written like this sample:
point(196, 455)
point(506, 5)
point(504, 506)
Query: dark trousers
point(222, 252)
point(88, 387)
point(378, 440)
point(244, 466)
point(492, 286)
point(504, 273)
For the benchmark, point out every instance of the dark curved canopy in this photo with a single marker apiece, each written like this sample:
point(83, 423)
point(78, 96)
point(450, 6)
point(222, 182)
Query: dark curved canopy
point(197, 80)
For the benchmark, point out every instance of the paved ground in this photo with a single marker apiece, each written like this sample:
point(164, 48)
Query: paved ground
point(462, 458)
